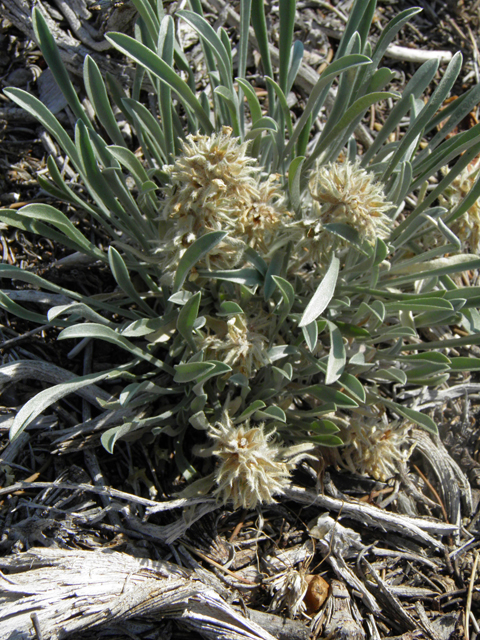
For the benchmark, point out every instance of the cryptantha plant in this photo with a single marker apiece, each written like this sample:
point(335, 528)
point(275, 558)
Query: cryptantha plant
point(273, 288)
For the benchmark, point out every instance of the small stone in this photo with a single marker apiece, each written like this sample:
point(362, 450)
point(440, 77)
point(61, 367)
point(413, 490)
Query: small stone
point(19, 77)
point(316, 594)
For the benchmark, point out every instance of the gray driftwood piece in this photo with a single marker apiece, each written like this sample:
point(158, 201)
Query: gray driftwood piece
point(452, 481)
point(53, 593)
point(337, 618)
point(81, 38)
point(412, 527)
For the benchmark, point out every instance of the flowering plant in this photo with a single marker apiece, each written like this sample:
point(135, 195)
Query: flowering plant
point(273, 287)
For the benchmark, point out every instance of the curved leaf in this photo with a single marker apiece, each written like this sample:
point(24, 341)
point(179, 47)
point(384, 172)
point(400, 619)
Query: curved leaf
point(194, 253)
point(415, 416)
point(97, 94)
point(100, 332)
point(46, 398)
point(186, 318)
point(121, 275)
point(322, 295)
point(16, 309)
point(46, 118)
point(52, 57)
point(191, 371)
point(336, 356)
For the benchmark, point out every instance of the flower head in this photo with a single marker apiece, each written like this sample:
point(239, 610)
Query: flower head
point(373, 446)
point(240, 342)
point(342, 193)
point(467, 226)
point(212, 174)
point(253, 466)
point(215, 186)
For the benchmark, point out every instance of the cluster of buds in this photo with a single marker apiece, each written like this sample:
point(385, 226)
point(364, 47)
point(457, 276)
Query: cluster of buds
point(240, 342)
point(214, 186)
point(341, 193)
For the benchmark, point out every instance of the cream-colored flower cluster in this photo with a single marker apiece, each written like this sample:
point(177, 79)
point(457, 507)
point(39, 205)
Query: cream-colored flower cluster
point(253, 465)
point(215, 186)
point(373, 446)
point(341, 193)
point(240, 342)
point(467, 226)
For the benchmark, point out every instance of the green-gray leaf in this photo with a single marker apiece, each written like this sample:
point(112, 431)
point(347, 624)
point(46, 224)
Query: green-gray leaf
point(322, 295)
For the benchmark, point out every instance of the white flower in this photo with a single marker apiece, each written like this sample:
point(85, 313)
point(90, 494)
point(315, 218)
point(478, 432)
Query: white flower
point(373, 446)
point(240, 342)
point(216, 186)
point(253, 465)
point(342, 193)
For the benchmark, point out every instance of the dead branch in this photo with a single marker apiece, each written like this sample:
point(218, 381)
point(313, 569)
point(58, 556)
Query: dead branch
point(73, 591)
point(81, 37)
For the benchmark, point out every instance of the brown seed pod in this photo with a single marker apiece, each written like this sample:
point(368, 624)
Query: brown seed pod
point(316, 594)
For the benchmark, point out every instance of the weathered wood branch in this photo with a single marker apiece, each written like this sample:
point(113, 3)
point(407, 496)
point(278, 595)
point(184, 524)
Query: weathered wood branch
point(54, 593)
point(77, 31)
